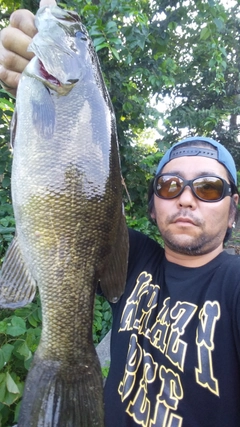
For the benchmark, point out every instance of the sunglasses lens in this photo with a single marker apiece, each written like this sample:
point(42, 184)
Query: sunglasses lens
point(208, 188)
point(168, 186)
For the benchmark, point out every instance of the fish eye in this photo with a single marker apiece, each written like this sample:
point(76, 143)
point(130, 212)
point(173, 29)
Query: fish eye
point(81, 35)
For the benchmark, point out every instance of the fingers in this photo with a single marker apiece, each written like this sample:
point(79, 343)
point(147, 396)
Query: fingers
point(23, 20)
point(14, 41)
point(13, 57)
point(9, 80)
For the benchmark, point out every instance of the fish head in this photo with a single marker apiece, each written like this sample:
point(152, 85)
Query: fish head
point(62, 49)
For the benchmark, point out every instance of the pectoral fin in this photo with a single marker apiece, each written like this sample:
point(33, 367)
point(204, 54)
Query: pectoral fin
point(43, 111)
point(113, 279)
point(17, 287)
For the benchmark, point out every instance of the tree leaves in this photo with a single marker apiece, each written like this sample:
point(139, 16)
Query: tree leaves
point(5, 354)
point(17, 327)
point(207, 81)
point(102, 320)
point(10, 388)
point(18, 341)
point(11, 385)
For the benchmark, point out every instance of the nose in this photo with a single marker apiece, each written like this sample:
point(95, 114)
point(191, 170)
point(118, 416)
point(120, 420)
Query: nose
point(187, 198)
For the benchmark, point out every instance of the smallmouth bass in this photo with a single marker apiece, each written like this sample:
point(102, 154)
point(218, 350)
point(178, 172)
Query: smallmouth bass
point(70, 229)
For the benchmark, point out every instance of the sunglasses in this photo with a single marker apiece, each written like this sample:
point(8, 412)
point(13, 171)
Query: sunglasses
point(205, 188)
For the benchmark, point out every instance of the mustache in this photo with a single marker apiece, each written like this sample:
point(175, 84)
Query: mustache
point(184, 213)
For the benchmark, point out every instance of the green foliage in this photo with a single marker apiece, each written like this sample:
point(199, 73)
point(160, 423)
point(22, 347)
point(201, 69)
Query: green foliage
point(20, 332)
point(207, 80)
point(102, 320)
point(7, 7)
point(105, 370)
point(7, 222)
point(140, 168)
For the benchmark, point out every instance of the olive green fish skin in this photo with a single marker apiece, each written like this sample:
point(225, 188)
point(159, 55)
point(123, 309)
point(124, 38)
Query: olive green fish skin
point(66, 190)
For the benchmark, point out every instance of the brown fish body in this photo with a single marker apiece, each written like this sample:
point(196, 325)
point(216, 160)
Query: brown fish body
point(66, 189)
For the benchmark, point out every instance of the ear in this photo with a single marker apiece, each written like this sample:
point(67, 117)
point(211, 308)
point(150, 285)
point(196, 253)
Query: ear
point(153, 216)
point(153, 212)
point(236, 198)
point(232, 213)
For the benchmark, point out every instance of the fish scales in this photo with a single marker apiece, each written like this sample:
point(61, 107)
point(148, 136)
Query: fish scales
point(70, 230)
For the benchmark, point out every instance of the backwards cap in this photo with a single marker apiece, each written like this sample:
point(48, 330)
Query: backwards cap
point(222, 155)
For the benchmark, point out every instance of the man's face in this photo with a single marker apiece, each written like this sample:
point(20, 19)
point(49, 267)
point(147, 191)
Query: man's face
point(188, 225)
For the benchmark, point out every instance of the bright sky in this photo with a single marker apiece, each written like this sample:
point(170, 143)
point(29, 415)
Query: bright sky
point(228, 3)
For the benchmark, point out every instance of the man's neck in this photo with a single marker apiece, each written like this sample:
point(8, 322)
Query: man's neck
point(192, 261)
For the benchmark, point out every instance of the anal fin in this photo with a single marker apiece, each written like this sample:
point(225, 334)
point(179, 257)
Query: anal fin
point(17, 287)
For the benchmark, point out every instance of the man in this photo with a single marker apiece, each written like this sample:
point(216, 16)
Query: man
point(175, 346)
point(175, 337)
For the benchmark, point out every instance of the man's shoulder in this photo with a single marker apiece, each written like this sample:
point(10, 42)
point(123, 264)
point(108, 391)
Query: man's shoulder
point(231, 260)
point(226, 272)
point(136, 236)
point(143, 250)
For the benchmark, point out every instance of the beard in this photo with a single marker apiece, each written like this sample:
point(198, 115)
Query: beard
point(197, 246)
point(188, 244)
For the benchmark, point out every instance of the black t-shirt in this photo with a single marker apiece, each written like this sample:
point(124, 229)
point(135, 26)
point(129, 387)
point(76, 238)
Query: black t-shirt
point(175, 349)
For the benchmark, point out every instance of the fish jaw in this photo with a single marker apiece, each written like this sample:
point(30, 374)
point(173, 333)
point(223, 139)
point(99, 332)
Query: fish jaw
point(35, 69)
point(61, 46)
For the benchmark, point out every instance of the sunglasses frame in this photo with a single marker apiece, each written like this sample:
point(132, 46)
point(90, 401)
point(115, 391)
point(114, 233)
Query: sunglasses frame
point(227, 188)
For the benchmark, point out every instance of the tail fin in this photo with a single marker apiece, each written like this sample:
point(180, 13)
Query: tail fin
point(60, 396)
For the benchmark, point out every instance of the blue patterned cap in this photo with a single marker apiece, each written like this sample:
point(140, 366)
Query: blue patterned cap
point(222, 155)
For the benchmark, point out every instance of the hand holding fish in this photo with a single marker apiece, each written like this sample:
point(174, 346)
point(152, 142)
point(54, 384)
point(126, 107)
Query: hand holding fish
point(14, 42)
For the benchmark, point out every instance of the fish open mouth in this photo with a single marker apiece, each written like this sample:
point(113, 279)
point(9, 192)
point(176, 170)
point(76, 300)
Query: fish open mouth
point(46, 76)
point(52, 82)
point(37, 70)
